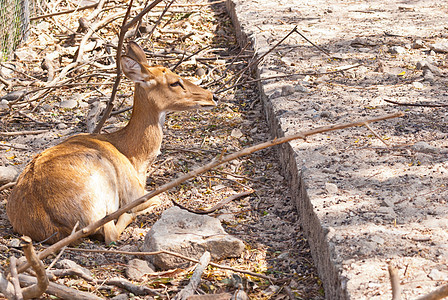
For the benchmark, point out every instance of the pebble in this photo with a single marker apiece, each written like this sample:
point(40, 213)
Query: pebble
point(300, 88)
point(15, 243)
point(287, 90)
point(417, 85)
point(236, 133)
point(138, 268)
point(331, 188)
point(428, 76)
point(8, 174)
point(326, 114)
point(418, 44)
point(69, 104)
point(424, 148)
point(439, 47)
point(62, 126)
point(397, 50)
point(200, 72)
point(437, 275)
point(4, 104)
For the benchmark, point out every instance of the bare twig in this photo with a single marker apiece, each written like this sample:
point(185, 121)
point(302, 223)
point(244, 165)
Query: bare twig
point(394, 281)
point(25, 132)
point(59, 290)
point(438, 294)
point(15, 278)
point(176, 255)
point(69, 11)
point(217, 206)
point(256, 61)
point(195, 279)
point(317, 47)
point(159, 19)
point(221, 160)
point(376, 134)
point(416, 104)
point(124, 28)
point(7, 185)
point(34, 291)
point(62, 250)
point(139, 290)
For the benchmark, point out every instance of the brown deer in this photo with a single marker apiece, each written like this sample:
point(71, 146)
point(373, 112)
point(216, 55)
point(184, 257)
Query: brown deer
point(89, 176)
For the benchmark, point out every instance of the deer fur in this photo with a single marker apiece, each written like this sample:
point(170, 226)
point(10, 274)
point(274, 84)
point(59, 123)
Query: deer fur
point(89, 176)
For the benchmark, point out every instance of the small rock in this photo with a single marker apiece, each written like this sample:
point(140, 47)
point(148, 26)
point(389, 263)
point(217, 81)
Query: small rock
point(322, 70)
point(15, 243)
point(418, 44)
point(8, 174)
point(287, 90)
point(70, 264)
point(13, 96)
point(428, 76)
point(417, 85)
point(331, 188)
point(200, 72)
point(275, 94)
point(189, 234)
point(421, 64)
point(284, 255)
point(138, 268)
point(432, 68)
point(120, 297)
point(272, 289)
point(300, 88)
point(69, 104)
point(25, 54)
point(397, 50)
point(424, 148)
point(437, 275)
point(326, 114)
point(236, 133)
point(377, 239)
point(439, 47)
point(62, 126)
point(4, 104)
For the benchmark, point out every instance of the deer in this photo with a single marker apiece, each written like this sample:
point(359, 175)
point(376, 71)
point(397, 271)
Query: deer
point(88, 176)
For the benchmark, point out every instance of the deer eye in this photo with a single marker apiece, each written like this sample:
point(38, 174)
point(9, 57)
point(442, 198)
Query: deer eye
point(174, 84)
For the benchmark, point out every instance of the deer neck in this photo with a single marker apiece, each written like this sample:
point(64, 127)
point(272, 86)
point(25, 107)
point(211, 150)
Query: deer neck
point(141, 138)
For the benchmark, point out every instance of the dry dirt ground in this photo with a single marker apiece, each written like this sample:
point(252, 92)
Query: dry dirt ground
point(370, 202)
point(266, 221)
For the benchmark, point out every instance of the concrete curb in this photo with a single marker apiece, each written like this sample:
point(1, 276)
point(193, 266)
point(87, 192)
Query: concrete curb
point(334, 283)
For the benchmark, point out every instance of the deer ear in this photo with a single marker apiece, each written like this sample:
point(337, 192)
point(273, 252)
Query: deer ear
point(134, 51)
point(135, 71)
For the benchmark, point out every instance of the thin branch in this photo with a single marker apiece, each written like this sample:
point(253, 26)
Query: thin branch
point(173, 254)
point(416, 104)
point(25, 132)
point(221, 160)
point(257, 61)
point(62, 250)
point(217, 206)
point(317, 47)
point(376, 134)
point(34, 291)
point(195, 279)
point(64, 12)
point(124, 28)
point(7, 185)
point(395, 282)
point(15, 278)
point(438, 294)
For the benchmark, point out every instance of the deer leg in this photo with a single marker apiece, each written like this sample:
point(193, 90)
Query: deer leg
point(111, 233)
point(147, 206)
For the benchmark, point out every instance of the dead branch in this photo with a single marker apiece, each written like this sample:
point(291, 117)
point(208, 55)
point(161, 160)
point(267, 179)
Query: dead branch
point(139, 290)
point(438, 294)
point(256, 61)
point(59, 290)
point(62, 250)
point(220, 160)
point(217, 206)
point(6, 287)
point(271, 279)
point(25, 132)
point(7, 185)
point(394, 281)
point(124, 28)
point(15, 278)
point(376, 134)
point(317, 47)
point(416, 104)
point(64, 12)
point(195, 279)
point(39, 288)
